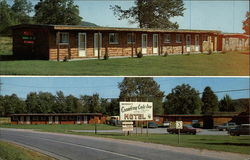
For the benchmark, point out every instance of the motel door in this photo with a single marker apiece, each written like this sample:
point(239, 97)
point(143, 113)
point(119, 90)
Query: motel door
point(155, 43)
point(50, 119)
point(27, 119)
point(78, 119)
point(97, 43)
point(85, 120)
point(144, 43)
point(215, 44)
point(82, 43)
point(56, 119)
point(197, 46)
point(21, 119)
point(188, 42)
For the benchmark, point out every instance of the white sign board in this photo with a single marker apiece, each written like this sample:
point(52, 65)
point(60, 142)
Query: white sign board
point(179, 125)
point(136, 111)
point(127, 126)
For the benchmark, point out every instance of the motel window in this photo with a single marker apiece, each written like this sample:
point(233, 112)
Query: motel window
point(178, 38)
point(205, 38)
point(64, 38)
point(64, 118)
point(15, 118)
point(72, 118)
point(113, 38)
point(43, 118)
point(167, 38)
point(131, 38)
point(35, 118)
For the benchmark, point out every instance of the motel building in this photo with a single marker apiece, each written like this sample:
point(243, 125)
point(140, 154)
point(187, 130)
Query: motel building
point(57, 118)
point(59, 42)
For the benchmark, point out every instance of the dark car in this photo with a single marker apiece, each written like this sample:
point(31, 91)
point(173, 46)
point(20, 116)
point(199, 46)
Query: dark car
point(243, 129)
point(227, 126)
point(188, 129)
point(152, 125)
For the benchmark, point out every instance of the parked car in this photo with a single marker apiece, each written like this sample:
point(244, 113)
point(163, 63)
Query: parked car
point(115, 122)
point(188, 129)
point(152, 125)
point(243, 129)
point(226, 126)
point(166, 124)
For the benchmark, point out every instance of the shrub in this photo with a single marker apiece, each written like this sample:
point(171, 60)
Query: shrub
point(66, 59)
point(106, 56)
point(223, 52)
point(139, 55)
point(165, 54)
point(210, 51)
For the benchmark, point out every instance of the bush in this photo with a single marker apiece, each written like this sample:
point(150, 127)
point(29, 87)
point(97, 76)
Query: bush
point(165, 54)
point(139, 55)
point(66, 59)
point(210, 51)
point(106, 56)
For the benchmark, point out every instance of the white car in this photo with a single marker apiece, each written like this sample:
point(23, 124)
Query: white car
point(166, 124)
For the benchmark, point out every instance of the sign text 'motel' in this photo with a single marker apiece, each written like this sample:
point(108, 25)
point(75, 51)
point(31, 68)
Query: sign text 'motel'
point(136, 111)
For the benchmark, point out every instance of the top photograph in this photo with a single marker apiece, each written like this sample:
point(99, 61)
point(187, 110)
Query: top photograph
point(124, 38)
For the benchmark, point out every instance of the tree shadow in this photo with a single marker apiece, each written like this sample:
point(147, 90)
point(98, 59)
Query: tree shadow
point(16, 58)
point(230, 144)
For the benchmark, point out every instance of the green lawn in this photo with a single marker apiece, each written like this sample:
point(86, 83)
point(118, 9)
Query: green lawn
point(240, 144)
point(237, 144)
point(61, 128)
point(5, 45)
point(217, 64)
point(11, 151)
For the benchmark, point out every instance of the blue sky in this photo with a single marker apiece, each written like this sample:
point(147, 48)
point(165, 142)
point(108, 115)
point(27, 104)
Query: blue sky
point(218, 15)
point(107, 86)
point(224, 15)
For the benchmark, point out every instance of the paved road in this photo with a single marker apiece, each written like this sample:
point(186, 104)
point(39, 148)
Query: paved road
point(85, 148)
point(159, 131)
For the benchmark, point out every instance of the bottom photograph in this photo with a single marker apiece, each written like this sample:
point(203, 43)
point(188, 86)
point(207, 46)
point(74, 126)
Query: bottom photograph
point(94, 118)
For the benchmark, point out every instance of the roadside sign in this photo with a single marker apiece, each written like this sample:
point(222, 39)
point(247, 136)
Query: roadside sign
point(127, 126)
point(136, 111)
point(179, 125)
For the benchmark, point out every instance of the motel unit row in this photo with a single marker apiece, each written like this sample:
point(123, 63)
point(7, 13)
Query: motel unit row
point(57, 118)
point(91, 118)
point(57, 42)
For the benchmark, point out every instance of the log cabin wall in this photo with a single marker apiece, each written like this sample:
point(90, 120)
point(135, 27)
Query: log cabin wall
point(42, 42)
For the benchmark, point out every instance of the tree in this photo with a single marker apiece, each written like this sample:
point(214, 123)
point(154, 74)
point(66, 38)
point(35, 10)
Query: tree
point(182, 100)
point(226, 104)
point(12, 104)
point(246, 24)
point(92, 103)
point(57, 12)
point(22, 9)
point(210, 101)
point(73, 104)
point(145, 89)
point(60, 103)
point(6, 17)
point(114, 107)
point(151, 13)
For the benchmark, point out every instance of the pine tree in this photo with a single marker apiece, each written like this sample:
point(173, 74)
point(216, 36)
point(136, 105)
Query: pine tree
point(210, 101)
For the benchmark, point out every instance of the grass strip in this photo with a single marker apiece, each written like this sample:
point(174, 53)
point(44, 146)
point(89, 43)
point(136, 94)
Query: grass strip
point(11, 151)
